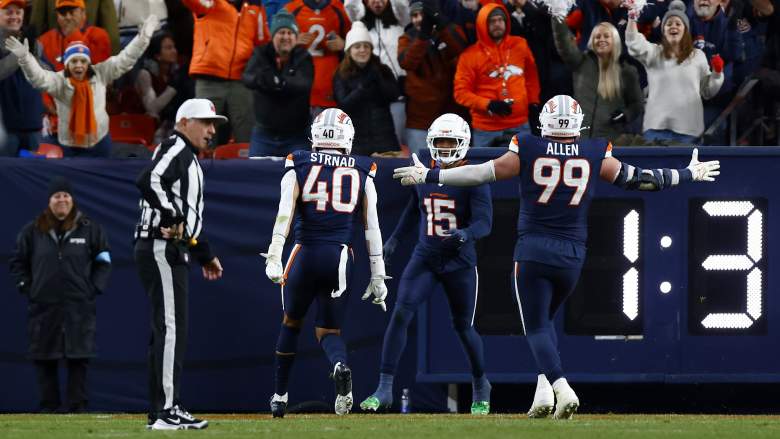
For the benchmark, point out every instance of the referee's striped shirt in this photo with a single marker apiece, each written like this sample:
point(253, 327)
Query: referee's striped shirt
point(171, 189)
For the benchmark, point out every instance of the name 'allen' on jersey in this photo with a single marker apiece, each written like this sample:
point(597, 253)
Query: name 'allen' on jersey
point(554, 148)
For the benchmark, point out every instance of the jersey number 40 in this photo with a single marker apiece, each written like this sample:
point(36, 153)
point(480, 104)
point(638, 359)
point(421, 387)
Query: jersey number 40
point(574, 173)
point(317, 191)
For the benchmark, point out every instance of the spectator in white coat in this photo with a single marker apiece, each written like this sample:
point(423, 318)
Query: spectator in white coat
point(79, 91)
point(385, 21)
point(678, 78)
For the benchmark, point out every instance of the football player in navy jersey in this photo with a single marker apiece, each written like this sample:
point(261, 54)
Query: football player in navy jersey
point(450, 220)
point(325, 187)
point(557, 173)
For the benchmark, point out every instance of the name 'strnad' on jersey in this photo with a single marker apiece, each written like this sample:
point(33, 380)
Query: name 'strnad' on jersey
point(332, 160)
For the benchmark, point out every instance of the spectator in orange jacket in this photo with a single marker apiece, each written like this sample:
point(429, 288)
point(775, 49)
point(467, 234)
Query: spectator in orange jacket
point(496, 79)
point(226, 33)
point(428, 51)
point(71, 26)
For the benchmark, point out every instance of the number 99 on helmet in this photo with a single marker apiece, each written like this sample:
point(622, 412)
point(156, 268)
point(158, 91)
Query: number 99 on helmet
point(561, 116)
point(449, 126)
point(332, 129)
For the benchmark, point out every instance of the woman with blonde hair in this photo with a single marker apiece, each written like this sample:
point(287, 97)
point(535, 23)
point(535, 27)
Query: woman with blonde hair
point(605, 85)
point(678, 78)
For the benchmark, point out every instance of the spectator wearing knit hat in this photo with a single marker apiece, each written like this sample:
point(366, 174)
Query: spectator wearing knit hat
point(280, 74)
point(364, 87)
point(97, 13)
point(79, 91)
point(678, 78)
point(21, 102)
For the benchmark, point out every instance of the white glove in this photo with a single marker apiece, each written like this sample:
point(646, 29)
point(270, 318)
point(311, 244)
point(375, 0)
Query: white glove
point(703, 171)
point(410, 175)
point(149, 26)
point(207, 3)
point(377, 288)
point(16, 47)
point(273, 267)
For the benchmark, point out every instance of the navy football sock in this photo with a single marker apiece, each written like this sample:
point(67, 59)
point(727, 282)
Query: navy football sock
point(286, 347)
point(480, 389)
point(334, 348)
point(395, 339)
point(384, 391)
point(545, 353)
point(472, 344)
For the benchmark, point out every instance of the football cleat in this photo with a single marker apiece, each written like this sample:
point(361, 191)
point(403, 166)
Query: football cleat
point(544, 399)
point(567, 402)
point(342, 376)
point(373, 403)
point(177, 418)
point(279, 405)
point(480, 407)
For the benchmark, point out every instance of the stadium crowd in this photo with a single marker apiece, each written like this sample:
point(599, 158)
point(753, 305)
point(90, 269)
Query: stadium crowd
point(658, 75)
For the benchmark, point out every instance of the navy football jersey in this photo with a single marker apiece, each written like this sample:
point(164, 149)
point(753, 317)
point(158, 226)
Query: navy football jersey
point(444, 208)
point(332, 187)
point(556, 185)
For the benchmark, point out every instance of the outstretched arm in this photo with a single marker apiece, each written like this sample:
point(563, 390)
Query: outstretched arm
point(630, 177)
point(502, 168)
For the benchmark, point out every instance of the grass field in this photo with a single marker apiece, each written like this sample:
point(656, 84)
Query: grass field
point(399, 426)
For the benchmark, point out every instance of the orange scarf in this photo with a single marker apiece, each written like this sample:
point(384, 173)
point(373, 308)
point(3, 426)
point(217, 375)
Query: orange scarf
point(82, 125)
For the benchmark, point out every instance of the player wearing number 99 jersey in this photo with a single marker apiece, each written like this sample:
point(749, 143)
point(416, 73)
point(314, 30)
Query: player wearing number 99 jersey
point(451, 219)
point(325, 188)
point(558, 173)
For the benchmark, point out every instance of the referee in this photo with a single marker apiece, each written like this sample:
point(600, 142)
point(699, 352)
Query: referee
point(168, 233)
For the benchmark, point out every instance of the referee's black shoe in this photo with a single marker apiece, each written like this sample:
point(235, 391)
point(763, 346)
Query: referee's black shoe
point(177, 418)
point(279, 405)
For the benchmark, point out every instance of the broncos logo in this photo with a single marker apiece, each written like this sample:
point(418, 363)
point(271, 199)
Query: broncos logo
point(507, 72)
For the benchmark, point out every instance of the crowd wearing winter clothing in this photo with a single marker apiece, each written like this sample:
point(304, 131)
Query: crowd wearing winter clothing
point(491, 61)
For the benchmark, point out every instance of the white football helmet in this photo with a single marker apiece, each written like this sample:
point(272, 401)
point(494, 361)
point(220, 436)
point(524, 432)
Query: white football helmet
point(332, 129)
point(450, 126)
point(561, 116)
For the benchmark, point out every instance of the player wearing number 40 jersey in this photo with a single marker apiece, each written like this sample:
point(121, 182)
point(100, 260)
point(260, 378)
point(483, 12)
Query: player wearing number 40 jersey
point(557, 174)
point(450, 220)
point(325, 188)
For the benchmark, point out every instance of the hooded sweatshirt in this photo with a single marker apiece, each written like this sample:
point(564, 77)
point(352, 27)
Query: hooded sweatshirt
point(486, 66)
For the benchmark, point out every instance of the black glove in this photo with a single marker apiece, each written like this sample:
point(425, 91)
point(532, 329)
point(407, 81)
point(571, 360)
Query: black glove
point(456, 239)
point(500, 108)
point(533, 118)
point(426, 27)
point(618, 117)
point(387, 252)
point(432, 12)
point(272, 80)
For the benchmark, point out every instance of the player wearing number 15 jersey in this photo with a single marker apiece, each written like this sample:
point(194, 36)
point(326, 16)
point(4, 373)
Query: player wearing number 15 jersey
point(451, 219)
point(325, 188)
point(558, 173)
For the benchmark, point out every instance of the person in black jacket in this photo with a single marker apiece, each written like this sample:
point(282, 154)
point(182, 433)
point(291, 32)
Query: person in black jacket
point(169, 231)
point(62, 262)
point(365, 88)
point(281, 73)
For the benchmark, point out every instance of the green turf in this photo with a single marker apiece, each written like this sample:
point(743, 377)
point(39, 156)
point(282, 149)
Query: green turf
point(399, 426)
